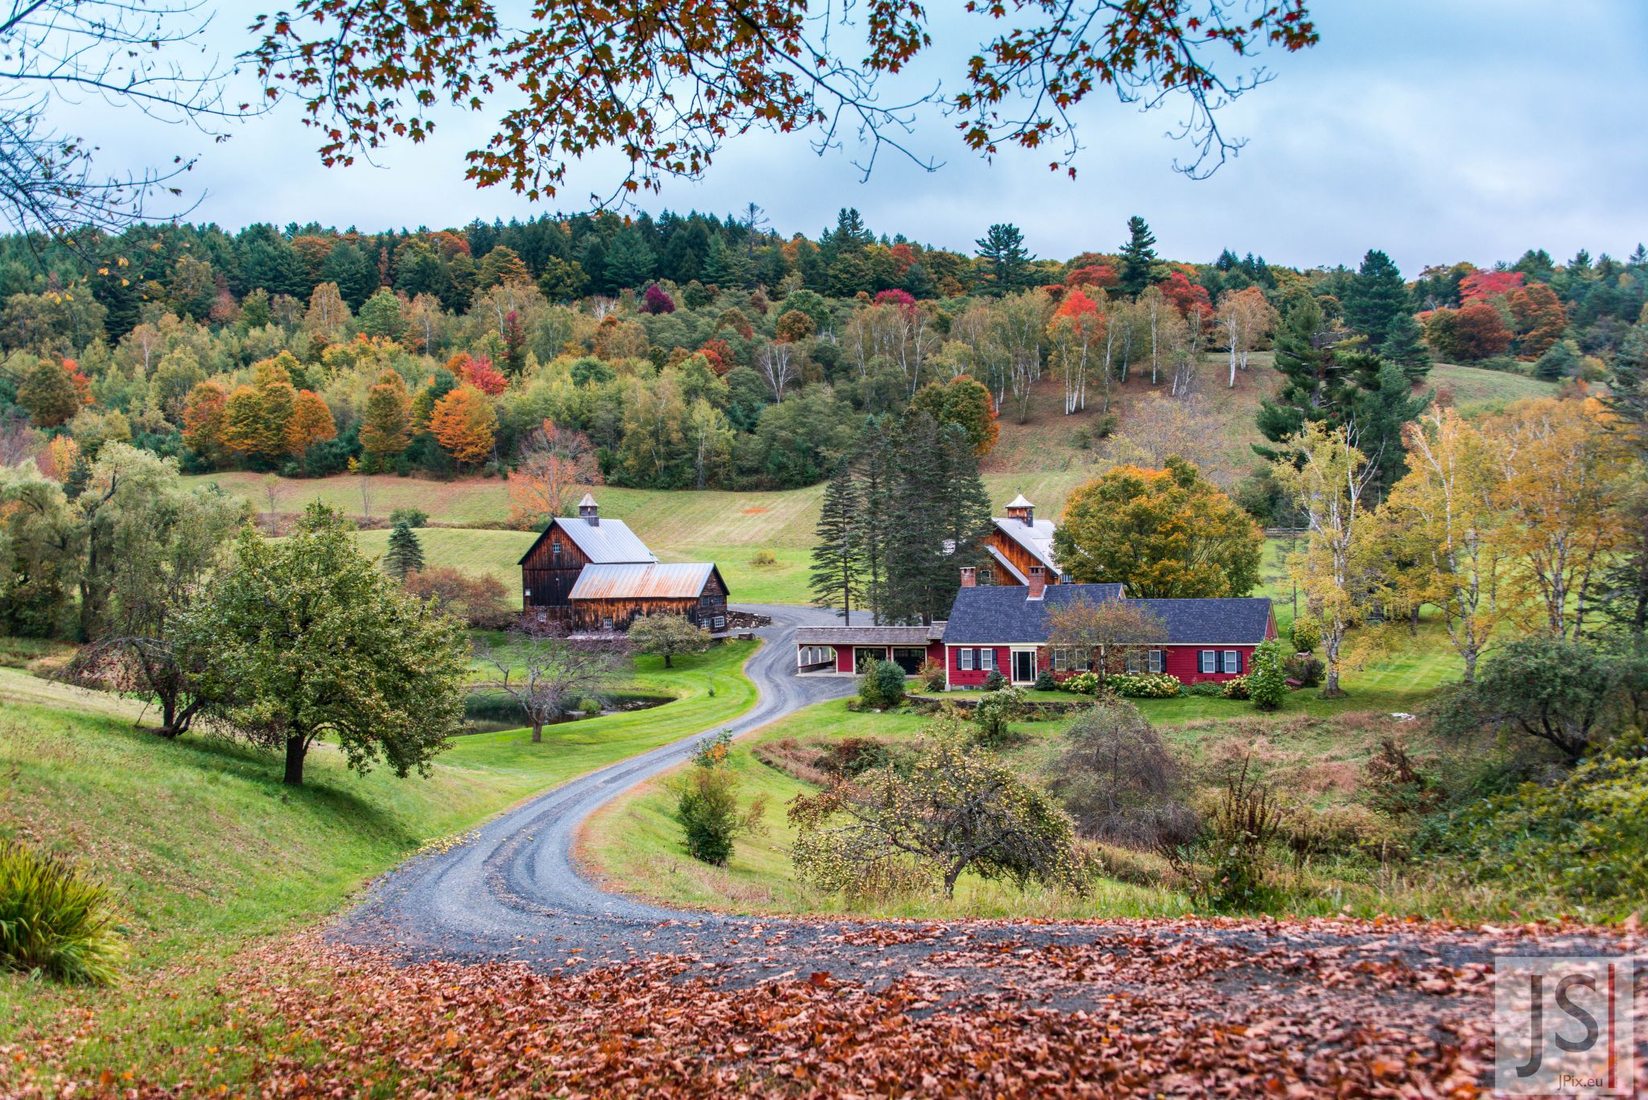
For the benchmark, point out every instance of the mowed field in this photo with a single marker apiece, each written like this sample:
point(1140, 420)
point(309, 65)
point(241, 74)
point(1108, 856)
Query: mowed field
point(1044, 458)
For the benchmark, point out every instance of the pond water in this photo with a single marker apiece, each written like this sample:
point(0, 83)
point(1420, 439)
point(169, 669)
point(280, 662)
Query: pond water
point(487, 711)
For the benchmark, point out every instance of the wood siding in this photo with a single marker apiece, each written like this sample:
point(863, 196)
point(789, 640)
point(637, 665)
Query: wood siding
point(547, 577)
point(1021, 558)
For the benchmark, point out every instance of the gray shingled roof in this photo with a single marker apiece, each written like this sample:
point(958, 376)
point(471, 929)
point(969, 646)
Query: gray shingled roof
point(868, 635)
point(1004, 614)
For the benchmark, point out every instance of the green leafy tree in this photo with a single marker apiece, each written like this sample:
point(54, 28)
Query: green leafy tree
point(667, 636)
point(1161, 533)
point(48, 395)
point(706, 804)
point(949, 808)
point(404, 554)
point(1138, 257)
point(1005, 257)
point(381, 315)
point(39, 554)
point(305, 638)
point(882, 685)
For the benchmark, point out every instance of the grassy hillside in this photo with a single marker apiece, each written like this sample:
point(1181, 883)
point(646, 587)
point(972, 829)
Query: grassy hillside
point(1045, 458)
point(204, 847)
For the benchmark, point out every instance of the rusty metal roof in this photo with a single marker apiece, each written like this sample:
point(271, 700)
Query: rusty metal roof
point(649, 581)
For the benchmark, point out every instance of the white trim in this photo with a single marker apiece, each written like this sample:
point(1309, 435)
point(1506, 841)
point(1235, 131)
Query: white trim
point(1231, 657)
point(1204, 658)
point(1013, 661)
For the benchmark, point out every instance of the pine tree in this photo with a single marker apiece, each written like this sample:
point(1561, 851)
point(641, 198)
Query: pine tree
point(1313, 386)
point(915, 554)
point(1559, 363)
point(1404, 347)
point(1384, 404)
point(629, 261)
point(1375, 297)
point(405, 553)
point(873, 469)
point(1002, 248)
point(1138, 257)
point(837, 573)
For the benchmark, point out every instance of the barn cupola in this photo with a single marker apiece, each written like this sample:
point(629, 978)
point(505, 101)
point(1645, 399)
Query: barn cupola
point(588, 512)
point(1022, 510)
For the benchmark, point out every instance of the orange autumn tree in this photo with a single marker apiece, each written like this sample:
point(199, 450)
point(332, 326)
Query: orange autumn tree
point(465, 425)
point(203, 416)
point(311, 423)
point(386, 424)
point(258, 417)
point(554, 460)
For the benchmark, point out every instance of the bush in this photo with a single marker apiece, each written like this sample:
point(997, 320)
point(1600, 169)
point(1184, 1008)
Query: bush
point(1304, 669)
point(706, 804)
point(1044, 682)
point(1306, 634)
point(853, 756)
point(1581, 841)
point(1206, 689)
point(1399, 784)
point(994, 714)
point(995, 681)
point(1267, 682)
point(480, 601)
point(882, 686)
point(53, 921)
point(1229, 867)
point(412, 517)
point(1120, 782)
point(1145, 685)
point(931, 675)
point(1236, 688)
point(763, 559)
point(1080, 683)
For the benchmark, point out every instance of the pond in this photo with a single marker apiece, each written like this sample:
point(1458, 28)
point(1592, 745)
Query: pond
point(488, 710)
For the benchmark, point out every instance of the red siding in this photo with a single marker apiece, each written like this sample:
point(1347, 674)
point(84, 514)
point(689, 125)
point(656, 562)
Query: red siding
point(1181, 661)
point(974, 677)
point(844, 658)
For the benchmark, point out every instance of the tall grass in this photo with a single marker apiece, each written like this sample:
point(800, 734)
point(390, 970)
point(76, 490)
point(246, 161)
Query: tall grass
point(54, 921)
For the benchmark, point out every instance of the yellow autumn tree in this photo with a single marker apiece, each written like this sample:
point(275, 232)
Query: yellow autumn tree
point(311, 423)
point(1563, 487)
point(465, 425)
point(1442, 528)
point(386, 424)
point(1329, 485)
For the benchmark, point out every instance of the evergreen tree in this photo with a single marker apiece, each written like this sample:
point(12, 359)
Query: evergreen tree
point(1375, 297)
point(405, 553)
point(1002, 249)
point(1383, 404)
point(873, 469)
point(837, 573)
point(1561, 361)
point(725, 266)
point(915, 554)
point(1138, 257)
point(1313, 385)
point(630, 261)
point(1404, 347)
point(356, 276)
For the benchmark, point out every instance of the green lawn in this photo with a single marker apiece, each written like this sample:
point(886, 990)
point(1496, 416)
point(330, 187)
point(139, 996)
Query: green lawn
point(205, 848)
point(473, 551)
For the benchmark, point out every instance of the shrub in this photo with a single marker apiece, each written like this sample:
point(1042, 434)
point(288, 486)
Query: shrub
point(706, 804)
point(412, 517)
point(1206, 689)
point(1145, 685)
point(931, 675)
point(1044, 682)
point(1080, 683)
point(763, 559)
point(1583, 840)
point(995, 681)
point(1306, 634)
point(1398, 784)
point(1229, 866)
point(853, 756)
point(1121, 783)
point(1267, 682)
point(882, 685)
point(480, 601)
point(1235, 688)
point(1305, 669)
point(54, 921)
point(994, 714)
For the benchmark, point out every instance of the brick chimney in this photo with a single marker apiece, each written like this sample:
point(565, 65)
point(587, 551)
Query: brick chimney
point(588, 512)
point(969, 577)
point(1038, 582)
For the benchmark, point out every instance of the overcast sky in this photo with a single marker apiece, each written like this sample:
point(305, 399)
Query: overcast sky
point(1459, 130)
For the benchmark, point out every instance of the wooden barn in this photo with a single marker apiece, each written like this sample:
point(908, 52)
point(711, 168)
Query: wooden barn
point(595, 574)
point(1020, 548)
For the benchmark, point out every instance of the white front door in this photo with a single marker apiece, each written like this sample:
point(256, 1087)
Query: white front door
point(1024, 666)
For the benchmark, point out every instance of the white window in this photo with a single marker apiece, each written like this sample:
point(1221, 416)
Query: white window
point(1158, 660)
point(1136, 661)
point(1233, 660)
point(1208, 661)
point(964, 660)
point(987, 660)
point(720, 622)
point(1060, 660)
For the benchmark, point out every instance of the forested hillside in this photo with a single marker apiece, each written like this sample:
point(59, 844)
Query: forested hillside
point(699, 351)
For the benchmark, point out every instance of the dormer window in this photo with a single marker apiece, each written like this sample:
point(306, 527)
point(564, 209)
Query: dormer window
point(555, 548)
